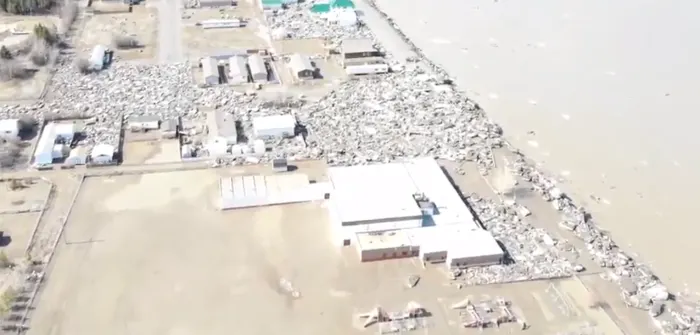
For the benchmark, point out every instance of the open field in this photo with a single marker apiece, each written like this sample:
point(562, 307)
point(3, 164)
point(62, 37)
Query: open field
point(112, 18)
point(151, 152)
point(201, 42)
point(309, 47)
point(17, 231)
point(29, 197)
point(151, 254)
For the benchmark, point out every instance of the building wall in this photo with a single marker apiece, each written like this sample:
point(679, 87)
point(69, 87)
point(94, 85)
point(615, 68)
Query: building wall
point(474, 261)
point(305, 74)
point(366, 69)
point(341, 234)
point(379, 254)
point(434, 257)
point(362, 54)
point(274, 132)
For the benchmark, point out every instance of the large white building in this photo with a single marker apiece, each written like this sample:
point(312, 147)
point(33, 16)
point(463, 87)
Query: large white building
point(405, 210)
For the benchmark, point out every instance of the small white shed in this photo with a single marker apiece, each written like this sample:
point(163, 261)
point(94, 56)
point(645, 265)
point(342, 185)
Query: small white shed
point(237, 70)
point(97, 58)
point(144, 122)
point(301, 66)
point(274, 126)
point(219, 24)
point(257, 68)
point(210, 71)
point(77, 156)
point(217, 147)
point(9, 129)
point(102, 154)
point(361, 69)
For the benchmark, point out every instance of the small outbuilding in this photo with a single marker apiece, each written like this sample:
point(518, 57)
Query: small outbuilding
point(258, 70)
point(43, 152)
point(98, 57)
point(369, 68)
point(217, 3)
point(102, 154)
point(221, 24)
point(9, 129)
point(301, 66)
point(280, 165)
point(275, 126)
point(222, 125)
point(210, 71)
point(77, 156)
point(169, 128)
point(144, 123)
point(237, 70)
point(217, 147)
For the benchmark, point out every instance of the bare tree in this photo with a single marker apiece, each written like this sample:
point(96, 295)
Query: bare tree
point(125, 42)
point(68, 14)
point(5, 53)
point(12, 69)
point(9, 153)
point(27, 123)
point(4, 260)
point(41, 52)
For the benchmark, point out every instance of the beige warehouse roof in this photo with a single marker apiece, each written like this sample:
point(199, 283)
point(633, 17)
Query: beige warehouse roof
point(210, 67)
point(300, 63)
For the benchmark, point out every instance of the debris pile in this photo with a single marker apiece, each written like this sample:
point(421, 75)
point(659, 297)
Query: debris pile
point(485, 314)
point(298, 22)
point(410, 318)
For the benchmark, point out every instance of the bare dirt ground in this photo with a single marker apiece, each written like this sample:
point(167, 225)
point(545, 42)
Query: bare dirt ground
point(151, 152)
point(30, 197)
point(200, 42)
point(309, 47)
point(113, 18)
point(17, 230)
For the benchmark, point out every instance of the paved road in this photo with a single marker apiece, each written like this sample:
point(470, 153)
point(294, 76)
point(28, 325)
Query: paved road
point(602, 92)
point(170, 31)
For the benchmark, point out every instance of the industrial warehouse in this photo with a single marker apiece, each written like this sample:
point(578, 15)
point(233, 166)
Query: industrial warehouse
point(385, 211)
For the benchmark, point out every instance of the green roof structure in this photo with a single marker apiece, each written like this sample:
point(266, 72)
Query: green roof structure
point(320, 8)
point(271, 3)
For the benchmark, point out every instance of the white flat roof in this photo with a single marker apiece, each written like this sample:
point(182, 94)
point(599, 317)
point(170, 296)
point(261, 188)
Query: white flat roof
point(285, 121)
point(385, 191)
point(373, 192)
point(430, 180)
point(474, 243)
point(46, 141)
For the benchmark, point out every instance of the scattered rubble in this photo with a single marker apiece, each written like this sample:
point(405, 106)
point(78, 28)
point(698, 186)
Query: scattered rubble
point(413, 112)
point(298, 22)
